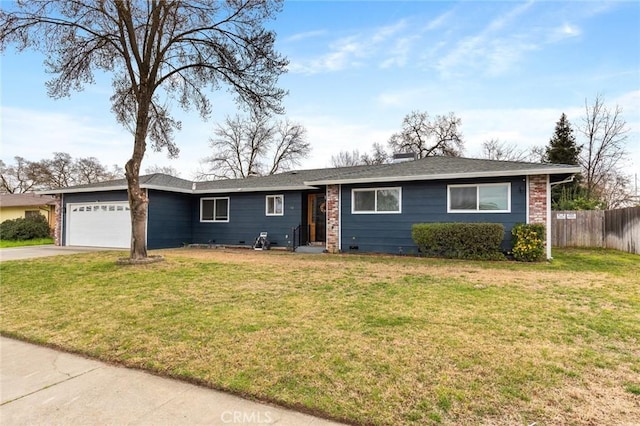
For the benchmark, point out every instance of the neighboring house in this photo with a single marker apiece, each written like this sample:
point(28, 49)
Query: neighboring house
point(14, 206)
point(348, 209)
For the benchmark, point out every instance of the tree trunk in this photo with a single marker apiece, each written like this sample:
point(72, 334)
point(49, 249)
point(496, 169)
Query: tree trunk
point(138, 204)
point(138, 199)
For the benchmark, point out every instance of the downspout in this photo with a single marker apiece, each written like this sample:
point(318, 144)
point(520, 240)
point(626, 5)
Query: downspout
point(146, 224)
point(340, 218)
point(567, 180)
point(63, 227)
point(528, 186)
point(548, 225)
point(549, 186)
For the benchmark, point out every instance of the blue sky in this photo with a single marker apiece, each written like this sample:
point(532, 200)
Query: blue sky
point(507, 69)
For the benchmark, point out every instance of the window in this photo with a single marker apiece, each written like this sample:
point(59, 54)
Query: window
point(29, 214)
point(275, 205)
point(376, 200)
point(483, 198)
point(214, 209)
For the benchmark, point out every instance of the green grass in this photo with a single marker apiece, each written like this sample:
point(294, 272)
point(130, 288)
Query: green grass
point(22, 243)
point(365, 339)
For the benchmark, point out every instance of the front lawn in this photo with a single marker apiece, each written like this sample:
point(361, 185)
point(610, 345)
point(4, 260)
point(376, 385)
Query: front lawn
point(22, 243)
point(364, 339)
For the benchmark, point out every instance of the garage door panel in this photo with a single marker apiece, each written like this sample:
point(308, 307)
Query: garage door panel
point(99, 224)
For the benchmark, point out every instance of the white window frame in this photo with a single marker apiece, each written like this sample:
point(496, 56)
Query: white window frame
point(478, 186)
point(202, 200)
point(266, 205)
point(375, 190)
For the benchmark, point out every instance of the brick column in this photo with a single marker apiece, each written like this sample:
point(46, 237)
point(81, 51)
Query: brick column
point(333, 218)
point(539, 206)
point(538, 199)
point(57, 230)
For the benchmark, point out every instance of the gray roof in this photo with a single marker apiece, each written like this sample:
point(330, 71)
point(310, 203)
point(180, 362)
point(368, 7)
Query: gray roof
point(437, 168)
point(154, 181)
point(430, 168)
point(28, 199)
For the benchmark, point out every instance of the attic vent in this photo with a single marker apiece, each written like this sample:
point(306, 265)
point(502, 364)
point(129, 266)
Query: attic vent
point(400, 157)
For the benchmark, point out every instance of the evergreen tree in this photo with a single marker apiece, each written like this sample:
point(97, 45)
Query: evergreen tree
point(563, 149)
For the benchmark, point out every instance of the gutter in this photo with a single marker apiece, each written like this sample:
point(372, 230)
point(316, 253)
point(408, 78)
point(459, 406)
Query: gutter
point(567, 180)
point(445, 176)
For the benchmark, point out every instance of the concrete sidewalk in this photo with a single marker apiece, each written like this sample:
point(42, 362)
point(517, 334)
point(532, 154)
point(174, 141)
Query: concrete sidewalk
point(39, 385)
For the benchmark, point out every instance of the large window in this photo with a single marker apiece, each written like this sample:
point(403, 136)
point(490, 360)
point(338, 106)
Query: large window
point(214, 209)
point(275, 205)
point(489, 198)
point(376, 200)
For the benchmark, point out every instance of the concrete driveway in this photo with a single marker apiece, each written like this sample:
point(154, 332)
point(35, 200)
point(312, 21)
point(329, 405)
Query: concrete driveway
point(30, 252)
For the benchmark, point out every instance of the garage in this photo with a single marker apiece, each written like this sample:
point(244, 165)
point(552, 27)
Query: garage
point(104, 224)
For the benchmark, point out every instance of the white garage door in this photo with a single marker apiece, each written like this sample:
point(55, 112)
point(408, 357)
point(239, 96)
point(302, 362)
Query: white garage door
point(99, 224)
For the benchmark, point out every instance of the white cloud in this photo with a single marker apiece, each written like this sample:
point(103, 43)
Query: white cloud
point(439, 21)
point(305, 35)
point(329, 135)
point(34, 135)
point(399, 54)
point(402, 97)
point(353, 50)
point(564, 31)
point(489, 51)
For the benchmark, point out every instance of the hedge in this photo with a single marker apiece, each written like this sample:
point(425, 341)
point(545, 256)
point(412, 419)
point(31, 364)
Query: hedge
point(25, 228)
point(475, 241)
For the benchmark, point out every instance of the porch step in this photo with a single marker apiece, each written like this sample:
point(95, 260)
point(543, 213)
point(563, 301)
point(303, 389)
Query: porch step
point(310, 249)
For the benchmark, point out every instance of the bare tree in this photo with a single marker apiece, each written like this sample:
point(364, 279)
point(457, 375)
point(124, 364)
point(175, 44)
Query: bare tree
point(378, 155)
point(426, 137)
point(167, 170)
point(254, 146)
point(346, 159)
point(157, 51)
point(495, 149)
point(61, 171)
point(603, 149)
point(17, 178)
point(616, 191)
point(289, 146)
point(57, 172)
point(537, 154)
point(90, 170)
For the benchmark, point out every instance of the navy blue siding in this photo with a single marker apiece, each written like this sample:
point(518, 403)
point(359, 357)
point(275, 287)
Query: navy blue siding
point(169, 220)
point(88, 197)
point(247, 219)
point(422, 202)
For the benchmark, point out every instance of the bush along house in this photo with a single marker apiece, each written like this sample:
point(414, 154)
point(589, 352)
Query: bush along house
point(364, 209)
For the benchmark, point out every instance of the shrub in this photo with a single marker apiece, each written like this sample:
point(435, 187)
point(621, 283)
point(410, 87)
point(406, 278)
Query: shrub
point(528, 242)
point(25, 228)
point(479, 241)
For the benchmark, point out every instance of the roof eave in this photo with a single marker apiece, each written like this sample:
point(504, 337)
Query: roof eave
point(180, 190)
point(78, 190)
point(443, 176)
point(111, 188)
point(166, 188)
point(258, 189)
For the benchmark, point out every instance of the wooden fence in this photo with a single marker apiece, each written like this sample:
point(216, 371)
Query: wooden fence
point(618, 229)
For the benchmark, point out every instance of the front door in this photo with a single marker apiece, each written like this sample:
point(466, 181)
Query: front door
point(316, 217)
